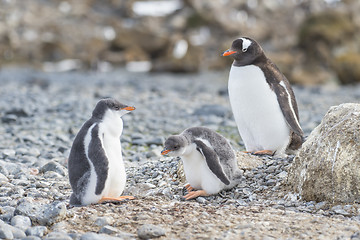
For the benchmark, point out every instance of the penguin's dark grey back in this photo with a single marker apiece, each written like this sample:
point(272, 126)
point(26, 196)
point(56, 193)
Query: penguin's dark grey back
point(78, 163)
point(219, 143)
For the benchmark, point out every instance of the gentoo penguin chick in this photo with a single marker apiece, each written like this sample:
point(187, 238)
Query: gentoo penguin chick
point(262, 101)
point(209, 161)
point(96, 167)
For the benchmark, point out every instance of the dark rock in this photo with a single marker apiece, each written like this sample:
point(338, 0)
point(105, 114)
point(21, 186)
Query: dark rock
point(18, 112)
point(55, 167)
point(10, 118)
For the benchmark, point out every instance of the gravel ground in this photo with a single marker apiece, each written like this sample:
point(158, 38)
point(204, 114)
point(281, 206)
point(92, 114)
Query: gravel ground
point(40, 114)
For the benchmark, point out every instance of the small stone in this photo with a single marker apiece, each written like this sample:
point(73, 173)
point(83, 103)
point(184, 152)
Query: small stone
point(54, 167)
point(17, 232)
point(355, 236)
point(38, 231)
point(282, 175)
point(108, 230)
point(10, 153)
point(270, 169)
point(5, 232)
point(7, 213)
point(42, 214)
point(57, 236)
point(270, 182)
point(102, 221)
point(9, 118)
point(125, 235)
point(320, 205)
point(201, 200)
point(19, 112)
point(22, 222)
point(338, 209)
point(95, 236)
point(31, 238)
point(3, 178)
point(34, 152)
point(148, 231)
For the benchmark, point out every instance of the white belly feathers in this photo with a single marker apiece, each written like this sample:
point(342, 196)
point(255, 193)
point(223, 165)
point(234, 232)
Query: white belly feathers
point(257, 113)
point(197, 172)
point(115, 183)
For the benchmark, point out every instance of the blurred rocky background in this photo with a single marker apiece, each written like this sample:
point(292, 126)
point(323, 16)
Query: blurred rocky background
point(312, 42)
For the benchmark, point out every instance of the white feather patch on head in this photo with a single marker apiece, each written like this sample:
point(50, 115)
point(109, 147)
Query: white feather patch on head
point(290, 103)
point(245, 44)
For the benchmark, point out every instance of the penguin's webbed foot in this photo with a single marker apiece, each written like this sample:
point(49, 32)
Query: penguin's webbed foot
point(117, 199)
point(188, 187)
point(264, 152)
point(195, 194)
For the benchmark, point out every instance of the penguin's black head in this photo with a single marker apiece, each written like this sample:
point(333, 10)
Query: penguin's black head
point(174, 145)
point(245, 51)
point(110, 104)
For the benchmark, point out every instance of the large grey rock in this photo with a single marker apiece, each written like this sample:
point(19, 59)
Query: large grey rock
point(327, 166)
point(47, 214)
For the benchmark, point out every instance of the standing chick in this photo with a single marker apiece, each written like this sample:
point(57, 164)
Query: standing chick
point(209, 161)
point(96, 167)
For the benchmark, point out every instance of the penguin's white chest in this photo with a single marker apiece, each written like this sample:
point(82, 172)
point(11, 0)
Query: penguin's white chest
point(115, 182)
point(197, 172)
point(256, 110)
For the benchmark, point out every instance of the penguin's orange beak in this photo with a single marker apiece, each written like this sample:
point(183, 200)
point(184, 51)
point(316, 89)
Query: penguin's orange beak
point(164, 152)
point(228, 53)
point(129, 108)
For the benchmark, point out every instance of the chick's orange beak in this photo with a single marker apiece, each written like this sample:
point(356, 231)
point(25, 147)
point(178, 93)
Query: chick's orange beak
point(228, 53)
point(164, 152)
point(129, 108)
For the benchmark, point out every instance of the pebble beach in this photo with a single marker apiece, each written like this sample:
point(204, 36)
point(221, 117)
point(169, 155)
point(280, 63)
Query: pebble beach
point(40, 114)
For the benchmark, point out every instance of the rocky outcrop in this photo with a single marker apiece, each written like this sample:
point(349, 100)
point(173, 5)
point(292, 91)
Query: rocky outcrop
point(327, 167)
point(177, 35)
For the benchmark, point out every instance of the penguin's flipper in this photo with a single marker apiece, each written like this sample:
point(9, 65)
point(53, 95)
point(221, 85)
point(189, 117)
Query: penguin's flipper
point(212, 160)
point(99, 159)
point(285, 97)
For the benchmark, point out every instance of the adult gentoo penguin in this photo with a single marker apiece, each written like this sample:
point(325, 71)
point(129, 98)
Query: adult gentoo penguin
point(96, 168)
point(262, 101)
point(209, 161)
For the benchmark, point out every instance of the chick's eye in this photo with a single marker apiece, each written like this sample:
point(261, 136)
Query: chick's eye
point(176, 147)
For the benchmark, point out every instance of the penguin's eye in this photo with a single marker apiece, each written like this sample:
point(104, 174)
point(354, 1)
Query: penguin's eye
point(116, 108)
point(176, 147)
